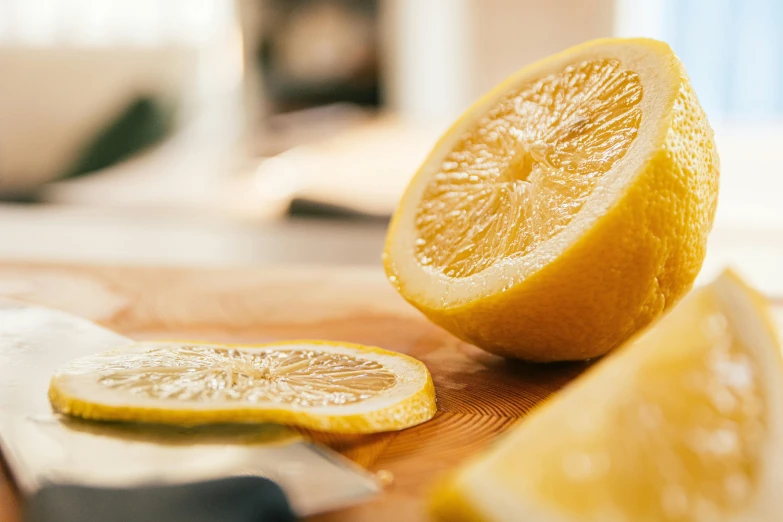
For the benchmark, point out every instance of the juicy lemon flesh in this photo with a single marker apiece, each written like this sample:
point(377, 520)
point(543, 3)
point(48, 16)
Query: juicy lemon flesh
point(303, 378)
point(526, 168)
point(683, 445)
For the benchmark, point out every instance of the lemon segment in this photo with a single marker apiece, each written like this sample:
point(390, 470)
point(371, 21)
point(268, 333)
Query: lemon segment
point(338, 387)
point(680, 425)
point(566, 209)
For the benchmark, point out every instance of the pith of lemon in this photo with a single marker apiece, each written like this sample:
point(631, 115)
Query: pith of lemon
point(326, 386)
point(682, 424)
point(566, 209)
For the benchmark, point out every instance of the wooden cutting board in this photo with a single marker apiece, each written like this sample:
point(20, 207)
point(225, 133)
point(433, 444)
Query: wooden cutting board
point(479, 395)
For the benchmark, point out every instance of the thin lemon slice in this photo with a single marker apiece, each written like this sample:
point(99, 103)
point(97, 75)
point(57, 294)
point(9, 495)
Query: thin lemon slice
point(683, 424)
point(327, 386)
point(564, 210)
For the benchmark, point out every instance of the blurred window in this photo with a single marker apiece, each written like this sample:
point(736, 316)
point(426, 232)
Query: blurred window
point(732, 49)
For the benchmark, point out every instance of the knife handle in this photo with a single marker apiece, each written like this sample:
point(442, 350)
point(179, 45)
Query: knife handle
point(236, 499)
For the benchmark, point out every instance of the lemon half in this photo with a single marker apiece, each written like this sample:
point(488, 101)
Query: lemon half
point(683, 424)
point(566, 209)
point(327, 386)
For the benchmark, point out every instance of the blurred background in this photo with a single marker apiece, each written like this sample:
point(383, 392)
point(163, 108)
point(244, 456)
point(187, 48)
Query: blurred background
point(223, 132)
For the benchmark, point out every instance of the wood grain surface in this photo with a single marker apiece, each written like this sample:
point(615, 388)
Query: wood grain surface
point(479, 395)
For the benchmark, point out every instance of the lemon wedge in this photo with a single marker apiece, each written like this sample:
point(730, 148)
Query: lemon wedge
point(566, 209)
point(326, 386)
point(682, 424)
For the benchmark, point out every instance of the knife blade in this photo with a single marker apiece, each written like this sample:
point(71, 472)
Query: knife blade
point(43, 448)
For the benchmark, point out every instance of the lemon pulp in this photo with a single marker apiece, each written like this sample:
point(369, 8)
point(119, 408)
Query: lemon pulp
point(524, 170)
point(209, 373)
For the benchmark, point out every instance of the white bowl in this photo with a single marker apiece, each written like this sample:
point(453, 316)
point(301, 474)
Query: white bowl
point(54, 99)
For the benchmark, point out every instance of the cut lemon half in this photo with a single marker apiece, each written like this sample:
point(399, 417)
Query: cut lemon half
point(566, 209)
point(326, 386)
point(683, 424)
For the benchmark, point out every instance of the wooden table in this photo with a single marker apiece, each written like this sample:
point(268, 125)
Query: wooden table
point(479, 395)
